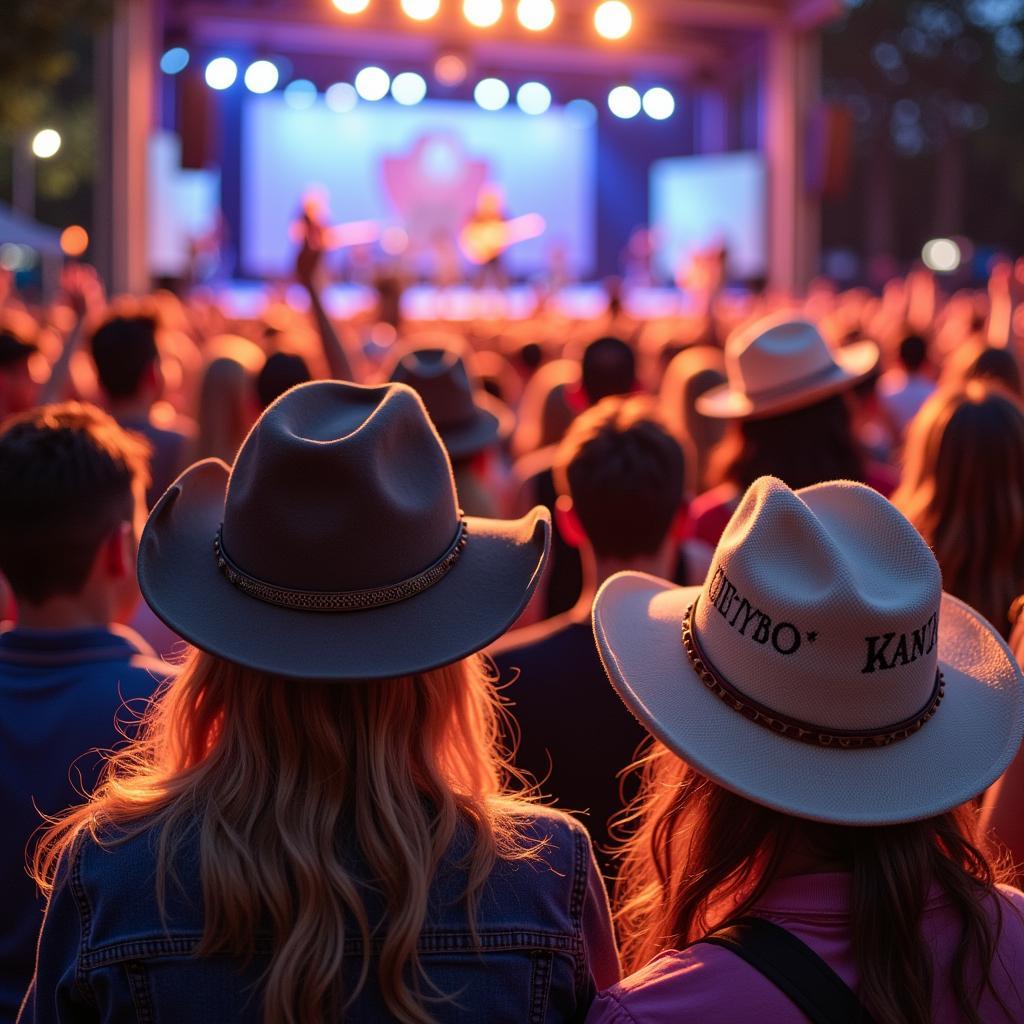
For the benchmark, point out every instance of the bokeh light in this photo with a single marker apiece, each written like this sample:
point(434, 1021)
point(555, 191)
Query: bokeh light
point(261, 76)
point(613, 19)
point(941, 255)
point(341, 97)
point(583, 110)
point(491, 94)
point(659, 103)
point(624, 101)
point(482, 13)
point(351, 6)
point(408, 88)
point(372, 83)
point(450, 69)
point(45, 143)
point(394, 241)
point(221, 73)
point(300, 94)
point(536, 15)
point(421, 10)
point(533, 98)
point(174, 60)
point(74, 240)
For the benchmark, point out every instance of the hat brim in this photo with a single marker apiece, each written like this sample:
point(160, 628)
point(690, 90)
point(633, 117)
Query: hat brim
point(853, 363)
point(482, 594)
point(956, 755)
point(492, 424)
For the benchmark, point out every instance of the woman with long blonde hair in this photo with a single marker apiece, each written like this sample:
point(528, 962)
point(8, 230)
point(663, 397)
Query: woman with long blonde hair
point(803, 846)
point(963, 488)
point(317, 823)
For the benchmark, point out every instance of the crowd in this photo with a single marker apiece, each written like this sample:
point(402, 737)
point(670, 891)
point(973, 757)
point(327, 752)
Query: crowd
point(617, 670)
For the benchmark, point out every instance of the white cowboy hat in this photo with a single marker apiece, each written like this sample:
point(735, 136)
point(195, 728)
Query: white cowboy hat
point(778, 365)
point(820, 670)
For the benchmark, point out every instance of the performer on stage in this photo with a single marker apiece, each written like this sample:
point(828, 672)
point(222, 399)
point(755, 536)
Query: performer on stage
point(488, 233)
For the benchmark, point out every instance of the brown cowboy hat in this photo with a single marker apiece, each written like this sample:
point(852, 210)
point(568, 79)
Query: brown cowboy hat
point(335, 548)
point(467, 417)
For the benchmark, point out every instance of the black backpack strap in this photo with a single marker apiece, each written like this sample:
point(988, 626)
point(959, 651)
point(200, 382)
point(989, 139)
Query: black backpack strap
point(794, 968)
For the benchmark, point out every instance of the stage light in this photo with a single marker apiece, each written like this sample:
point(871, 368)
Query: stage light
point(613, 19)
point(624, 101)
point(536, 15)
point(221, 73)
point(533, 98)
point(372, 83)
point(583, 110)
point(491, 93)
point(300, 94)
point(421, 10)
point(941, 255)
point(482, 13)
point(46, 143)
point(174, 60)
point(659, 103)
point(351, 6)
point(408, 88)
point(74, 240)
point(261, 76)
point(341, 97)
point(450, 69)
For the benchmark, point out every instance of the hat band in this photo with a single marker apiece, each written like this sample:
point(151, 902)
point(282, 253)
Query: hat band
point(339, 600)
point(795, 728)
point(790, 386)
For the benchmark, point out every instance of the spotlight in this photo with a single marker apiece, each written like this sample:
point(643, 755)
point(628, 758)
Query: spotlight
point(583, 110)
point(533, 98)
point(613, 19)
point(351, 6)
point(450, 69)
point(300, 94)
point(408, 88)
point(482, 13)
point(46, 143)
point(221, 73)
point(174, 60)
point(74, 240)
point(536, 15)
point(941, 255)
point(491, 93)
point(421, 10)
point(341, 97)
point(372, 83)
point(624, 101)
point(261, 76)
point(659, 103)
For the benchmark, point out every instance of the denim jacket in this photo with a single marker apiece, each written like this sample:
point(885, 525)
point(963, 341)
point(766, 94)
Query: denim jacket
point(543, 944)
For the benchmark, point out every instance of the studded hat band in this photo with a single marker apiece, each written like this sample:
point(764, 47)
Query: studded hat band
point(794, 728)
point(341, 600)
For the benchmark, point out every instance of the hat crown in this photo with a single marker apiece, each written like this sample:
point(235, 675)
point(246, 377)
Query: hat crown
point(340, 487)
point(823, 605)
point(766, 360)
point(440, 377)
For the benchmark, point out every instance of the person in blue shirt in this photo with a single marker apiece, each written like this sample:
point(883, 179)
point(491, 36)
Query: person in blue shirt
point(72, 496)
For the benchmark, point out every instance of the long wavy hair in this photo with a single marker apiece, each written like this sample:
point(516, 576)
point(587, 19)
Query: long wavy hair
point(698, 856)
point(273, 774)
point(963, 488)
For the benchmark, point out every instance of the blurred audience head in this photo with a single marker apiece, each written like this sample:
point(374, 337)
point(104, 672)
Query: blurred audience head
point(608, 368)
point(913, 353)
point(127, 359)
point(997, 366)
point(72, 506)
point(281, 372)
point(17, 389)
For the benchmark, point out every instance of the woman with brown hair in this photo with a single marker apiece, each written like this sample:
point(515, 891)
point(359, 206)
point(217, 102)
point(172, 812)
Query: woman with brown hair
point(963, 488)
point(804, 848)
point(317, 823)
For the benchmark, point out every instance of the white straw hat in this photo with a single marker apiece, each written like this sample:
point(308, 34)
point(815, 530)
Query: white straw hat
point(820, 670)
point(777, 365)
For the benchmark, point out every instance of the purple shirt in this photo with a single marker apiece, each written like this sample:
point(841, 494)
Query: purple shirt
point(707, 983)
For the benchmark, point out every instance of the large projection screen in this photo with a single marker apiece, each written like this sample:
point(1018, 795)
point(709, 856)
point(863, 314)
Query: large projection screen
point(698, 202)
point(417, 168)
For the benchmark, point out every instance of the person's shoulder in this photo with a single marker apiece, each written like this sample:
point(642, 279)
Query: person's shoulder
point(142, 668)
point(529, 640)
point(712, 502)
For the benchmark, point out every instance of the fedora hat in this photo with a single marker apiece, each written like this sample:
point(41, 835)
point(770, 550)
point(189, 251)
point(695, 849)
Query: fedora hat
point(820, 670)
point(467, 417)
point(777, 365)
point(334, 548)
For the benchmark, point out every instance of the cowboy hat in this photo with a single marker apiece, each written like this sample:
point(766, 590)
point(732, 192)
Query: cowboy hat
point(820, 670)
point(334, 548)
point(777, 365)
point(467, 417)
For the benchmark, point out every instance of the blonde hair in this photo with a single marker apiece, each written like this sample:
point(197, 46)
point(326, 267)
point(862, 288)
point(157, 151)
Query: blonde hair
point(963, 488)
point(271, 772)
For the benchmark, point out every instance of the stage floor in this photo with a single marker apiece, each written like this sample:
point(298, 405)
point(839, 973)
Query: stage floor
point(424, 302)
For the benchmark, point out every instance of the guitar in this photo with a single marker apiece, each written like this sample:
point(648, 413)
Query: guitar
point(484, 240)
